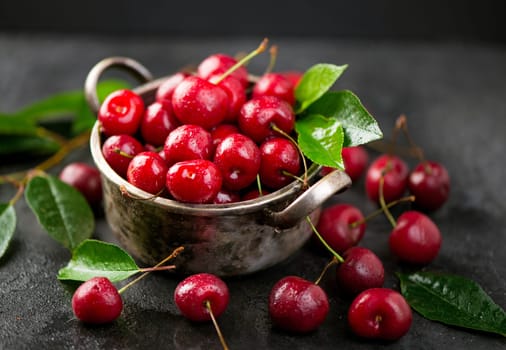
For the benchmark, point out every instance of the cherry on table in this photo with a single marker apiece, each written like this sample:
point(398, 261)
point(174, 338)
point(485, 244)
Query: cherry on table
point(380, 313)
point(355, 159)
point(147, 171)
point(187, 142)
point(97, 301)
point(415, 239)
point(337, 226)
point(297, 305)
point(429, 182)
point(360, 270)
point(157, 122)
point(395, 176)
point(194, 181)
point(118, 151)
point(258, 115)
point(238, 159)
point(280, 162)
point(121, 113)
point(85, 178)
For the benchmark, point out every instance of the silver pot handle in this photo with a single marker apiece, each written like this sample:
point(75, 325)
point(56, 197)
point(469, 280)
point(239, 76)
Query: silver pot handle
point(335, 182)
point(130, 65)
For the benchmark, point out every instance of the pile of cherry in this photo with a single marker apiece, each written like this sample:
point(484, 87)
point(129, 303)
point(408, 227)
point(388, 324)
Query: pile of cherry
point(206, 138)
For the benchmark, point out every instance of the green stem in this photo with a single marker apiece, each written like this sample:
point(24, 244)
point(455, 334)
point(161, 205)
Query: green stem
point(334, 253)
point(382, 202)
point(379, 211)
point(324, 271)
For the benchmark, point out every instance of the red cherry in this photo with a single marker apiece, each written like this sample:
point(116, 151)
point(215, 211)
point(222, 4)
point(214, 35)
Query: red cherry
point(121, 113)
point(415, 239)
point(194, 181)
point(279, 159)
point(166, 88)
point(429, 182)
point(395, 172)
point(118, 151)
point(188, 142)
point(335, 226)
point(147, 171)
point(157, 122)
point(221, 131)
point(85, 178)
point(293, 76)
point(197, 101)
point(259, 114)
point(361, 270)
point(236, 96)
point(218, 64)
point(225, 196)
point(380, 313)
point(97, 301)
point(253, 194)
point(297, 305)
point(238, 159)
point(194, 292)
point(275, 84)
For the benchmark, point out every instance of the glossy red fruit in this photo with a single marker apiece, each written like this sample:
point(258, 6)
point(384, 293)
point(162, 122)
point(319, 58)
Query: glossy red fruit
point(199, 102)
point(147, 171)
point(395, 172)
point(361, 270)
point(280, 162)
point(293, 76)
point(188, 142)
point(236, 96)
point(335, 226)
point(429, 182)
point(254, 194)
point(118, 151)
point(355, 161)
point(157, 122)
point(85, 178)
point(297, 305)
point(275, 84)
point(238, 159)
point(415, 239)
point(218, 64)
point(192, 294)
point(221, 131)
point(97, 301)
point(121, 113)
point(259, 114)
point(194, 181)
point(380, 313)
point(225, 196)
point(167, 87)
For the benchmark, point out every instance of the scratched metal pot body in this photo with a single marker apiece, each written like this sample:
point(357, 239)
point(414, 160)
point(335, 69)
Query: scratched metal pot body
point(225, 239)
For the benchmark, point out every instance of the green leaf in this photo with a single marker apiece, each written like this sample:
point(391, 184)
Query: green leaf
point(321, 139)
point(7, 226)
point(60, 209)
point(358, 125)
point(36, 145)
point(94, 258)
point(10, 125)
point(453, 300)
point(315, 82)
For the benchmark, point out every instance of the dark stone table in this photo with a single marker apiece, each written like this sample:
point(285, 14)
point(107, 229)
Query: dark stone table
point(455, 99)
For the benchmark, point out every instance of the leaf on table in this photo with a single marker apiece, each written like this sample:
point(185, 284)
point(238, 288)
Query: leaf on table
point(7, 226)
point(321, 139)
point(453, 300)
point(35, 145)
point(60, 209)
point(94, 258)
point(359, 126)
point(317, 80)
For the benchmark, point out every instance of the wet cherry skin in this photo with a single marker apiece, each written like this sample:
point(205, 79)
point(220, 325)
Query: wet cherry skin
point(395, 174)
point(121, 113)
point(147, 171)
point(429, 182)
point(85, 178)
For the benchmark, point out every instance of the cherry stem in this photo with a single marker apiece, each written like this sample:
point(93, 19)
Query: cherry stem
point(382, 202)
point(261, 48)
point(216, 326)
point(278, 130)
point(259, 185)
point(334, 253)
point(160, 268)
point(324, 271)
point(123, 154)
point(402, 123)
point(272, 62)
point(379, 211)
point(172, 255)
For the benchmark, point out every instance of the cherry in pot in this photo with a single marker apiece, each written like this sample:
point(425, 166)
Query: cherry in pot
point(85, 178)
point(97, 301)
point(429, 182)
point(121, 113)
point(415, 239)
point(187, 142)
point(380, 313)
point(118, 151)
point(157, 122)
point(167, 87)
point(218, 64)
point(147, 171)
point(275, 84)
point(297, 305)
